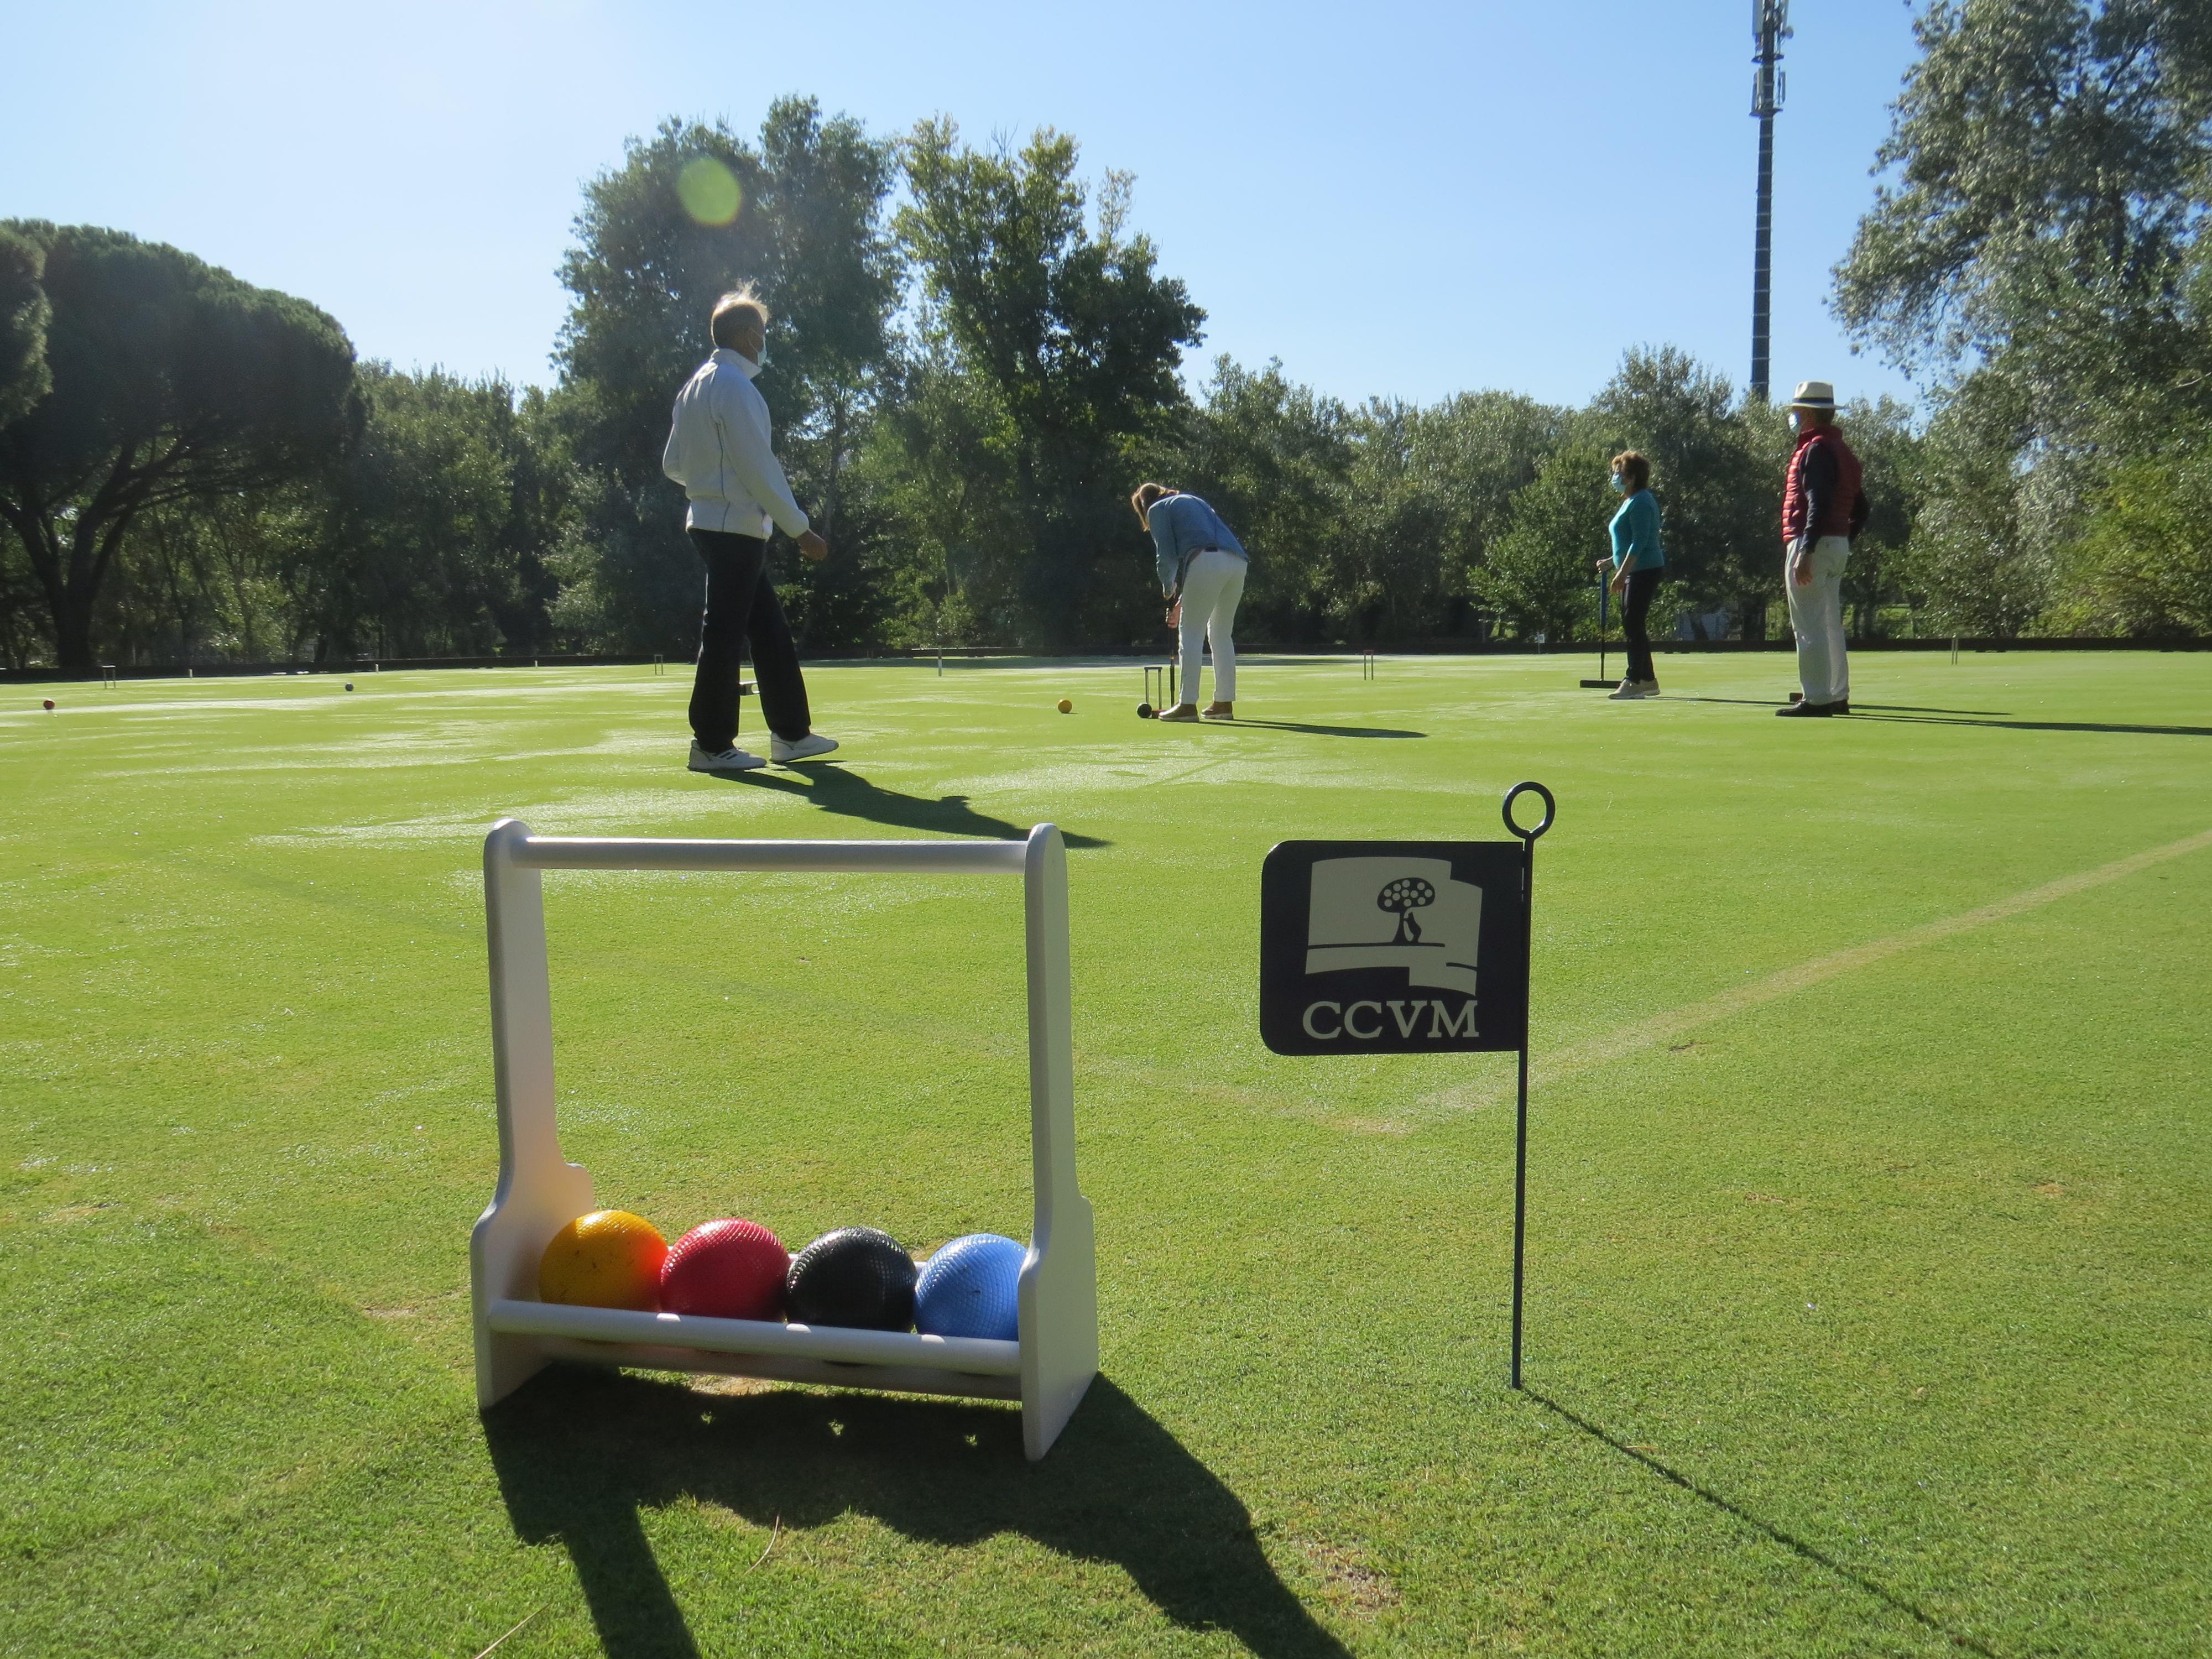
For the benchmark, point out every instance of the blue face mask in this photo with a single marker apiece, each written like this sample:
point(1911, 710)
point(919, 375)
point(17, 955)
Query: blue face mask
point(1620, 484)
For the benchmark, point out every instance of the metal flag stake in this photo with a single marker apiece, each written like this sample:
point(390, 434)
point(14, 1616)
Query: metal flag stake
point(1406, 947)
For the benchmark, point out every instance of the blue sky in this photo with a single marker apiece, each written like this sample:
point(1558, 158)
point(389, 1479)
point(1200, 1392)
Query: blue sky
point(1406, 199)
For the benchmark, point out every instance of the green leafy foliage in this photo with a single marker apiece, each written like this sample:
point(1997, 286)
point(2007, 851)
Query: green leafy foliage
point(439, 523)
point(1891, 452)
point(2041, 148)
point(172, 382)
point(25, 377)
point(2142, 568)
point(1074, 341)
point(1715, 468)
point(2037, 246)
point(1540, 575)
point(1274, 458)
point(1367, 524)
point(807, 234)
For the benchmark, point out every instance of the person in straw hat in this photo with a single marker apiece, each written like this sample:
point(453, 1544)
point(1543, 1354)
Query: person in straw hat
point(1823, 509)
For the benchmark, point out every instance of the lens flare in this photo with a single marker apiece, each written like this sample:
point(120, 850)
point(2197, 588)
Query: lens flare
point(709, 191)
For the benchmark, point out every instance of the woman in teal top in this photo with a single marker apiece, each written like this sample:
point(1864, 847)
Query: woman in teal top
point(1636, 564)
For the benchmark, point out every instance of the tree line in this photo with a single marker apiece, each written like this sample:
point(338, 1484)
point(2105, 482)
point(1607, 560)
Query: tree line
point(975, 356)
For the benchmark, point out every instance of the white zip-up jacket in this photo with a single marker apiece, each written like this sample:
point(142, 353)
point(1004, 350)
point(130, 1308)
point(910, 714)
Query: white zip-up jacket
point(718, 449)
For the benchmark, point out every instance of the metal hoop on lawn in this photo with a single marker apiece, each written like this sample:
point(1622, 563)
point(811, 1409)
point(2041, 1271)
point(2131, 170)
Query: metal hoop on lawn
point(1550, 810)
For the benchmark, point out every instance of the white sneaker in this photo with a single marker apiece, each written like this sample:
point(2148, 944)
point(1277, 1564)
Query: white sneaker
point(810, 747)
point(1628, 691)
point(729, 760)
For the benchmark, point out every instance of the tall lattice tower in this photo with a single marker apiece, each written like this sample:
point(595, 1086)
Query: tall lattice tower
point(1770, 26)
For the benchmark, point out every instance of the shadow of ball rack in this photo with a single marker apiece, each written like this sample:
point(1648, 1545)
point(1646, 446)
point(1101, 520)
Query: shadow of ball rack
point(1050, 1366)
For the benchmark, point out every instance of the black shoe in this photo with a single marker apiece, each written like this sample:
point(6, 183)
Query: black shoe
point(1808, 710)
point(1844, 706)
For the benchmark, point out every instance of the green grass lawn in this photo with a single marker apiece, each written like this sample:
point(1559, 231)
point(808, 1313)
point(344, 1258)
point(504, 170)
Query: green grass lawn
point(1869, 1309)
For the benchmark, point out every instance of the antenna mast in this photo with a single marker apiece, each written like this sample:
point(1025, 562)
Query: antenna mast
point(1770, 26)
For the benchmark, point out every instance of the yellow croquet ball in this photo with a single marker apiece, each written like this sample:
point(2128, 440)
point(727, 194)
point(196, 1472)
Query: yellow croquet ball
point(608, 1259)
point(1066, 707)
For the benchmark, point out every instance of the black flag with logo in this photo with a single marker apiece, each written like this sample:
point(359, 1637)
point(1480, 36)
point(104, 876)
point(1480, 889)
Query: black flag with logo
point(1391, 947)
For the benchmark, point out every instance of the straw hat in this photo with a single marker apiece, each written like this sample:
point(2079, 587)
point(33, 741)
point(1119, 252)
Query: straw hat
point(1815, 394)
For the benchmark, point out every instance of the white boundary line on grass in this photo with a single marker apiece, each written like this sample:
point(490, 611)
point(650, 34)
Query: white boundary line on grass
point(1619, 1044)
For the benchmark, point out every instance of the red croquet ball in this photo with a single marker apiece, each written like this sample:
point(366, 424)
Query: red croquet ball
point(49, 701)
point(726, 1269)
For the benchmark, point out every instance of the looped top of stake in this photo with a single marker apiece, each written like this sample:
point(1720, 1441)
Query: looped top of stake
point(1550, 810)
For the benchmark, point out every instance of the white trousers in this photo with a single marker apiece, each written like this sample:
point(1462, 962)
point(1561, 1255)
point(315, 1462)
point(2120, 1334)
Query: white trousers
point(1211, 588)
point(1816, 612)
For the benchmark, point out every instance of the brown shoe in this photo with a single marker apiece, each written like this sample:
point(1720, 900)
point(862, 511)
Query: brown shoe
point(1219, 711)
point(1182, 711)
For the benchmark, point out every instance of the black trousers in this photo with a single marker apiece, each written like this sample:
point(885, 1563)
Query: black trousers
point(742, 607)
point(1635, 614)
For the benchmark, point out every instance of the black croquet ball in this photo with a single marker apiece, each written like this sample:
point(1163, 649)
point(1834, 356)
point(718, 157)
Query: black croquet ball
point(1144, 711)
point(856, 1276)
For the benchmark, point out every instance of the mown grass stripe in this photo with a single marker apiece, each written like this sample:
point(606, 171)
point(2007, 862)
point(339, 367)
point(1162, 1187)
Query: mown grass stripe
point(1626, 1040)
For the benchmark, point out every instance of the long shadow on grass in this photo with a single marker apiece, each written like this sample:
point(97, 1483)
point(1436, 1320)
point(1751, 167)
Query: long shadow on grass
point(849, 794)
point(1797, 1546)
point(1902, 713)
point(1328, 731)
point(1856, 708)
point(2045, 726)
point(580, 1452)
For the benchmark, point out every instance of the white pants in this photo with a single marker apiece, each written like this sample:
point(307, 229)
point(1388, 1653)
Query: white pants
point(1816, 612)
point(1211, 588)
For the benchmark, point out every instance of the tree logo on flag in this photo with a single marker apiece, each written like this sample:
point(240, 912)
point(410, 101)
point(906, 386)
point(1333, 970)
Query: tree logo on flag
point(1401, 898)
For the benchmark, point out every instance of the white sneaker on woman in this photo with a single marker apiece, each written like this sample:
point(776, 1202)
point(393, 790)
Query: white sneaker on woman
point(1627, 691)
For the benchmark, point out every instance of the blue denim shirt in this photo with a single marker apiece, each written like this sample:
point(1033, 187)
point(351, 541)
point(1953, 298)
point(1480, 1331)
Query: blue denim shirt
point(1185, 524)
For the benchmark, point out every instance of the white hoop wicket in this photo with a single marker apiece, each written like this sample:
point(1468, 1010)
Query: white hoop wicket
point(1047, 1368)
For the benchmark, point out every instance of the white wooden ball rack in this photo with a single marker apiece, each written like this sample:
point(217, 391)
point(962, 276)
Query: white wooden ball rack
point(1050, 1366)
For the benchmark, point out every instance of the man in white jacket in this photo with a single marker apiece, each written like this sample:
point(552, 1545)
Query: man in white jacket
point(718, 449)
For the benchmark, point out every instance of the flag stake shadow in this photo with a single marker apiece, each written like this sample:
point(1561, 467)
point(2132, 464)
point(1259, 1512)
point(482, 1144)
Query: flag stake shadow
point(1789, 1541)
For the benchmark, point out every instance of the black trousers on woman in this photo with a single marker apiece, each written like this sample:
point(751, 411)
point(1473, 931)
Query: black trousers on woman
point(741, 606)
point(1635, 614)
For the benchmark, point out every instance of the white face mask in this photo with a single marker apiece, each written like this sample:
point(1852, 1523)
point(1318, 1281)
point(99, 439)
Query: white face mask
point(1796, 422)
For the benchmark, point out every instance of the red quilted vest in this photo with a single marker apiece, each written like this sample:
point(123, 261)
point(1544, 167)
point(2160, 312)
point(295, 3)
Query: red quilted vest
point(1848, 481)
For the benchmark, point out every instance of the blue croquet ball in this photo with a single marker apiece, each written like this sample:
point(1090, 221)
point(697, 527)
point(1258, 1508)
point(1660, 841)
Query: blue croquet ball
point(349, 685)
point(967, 1289)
